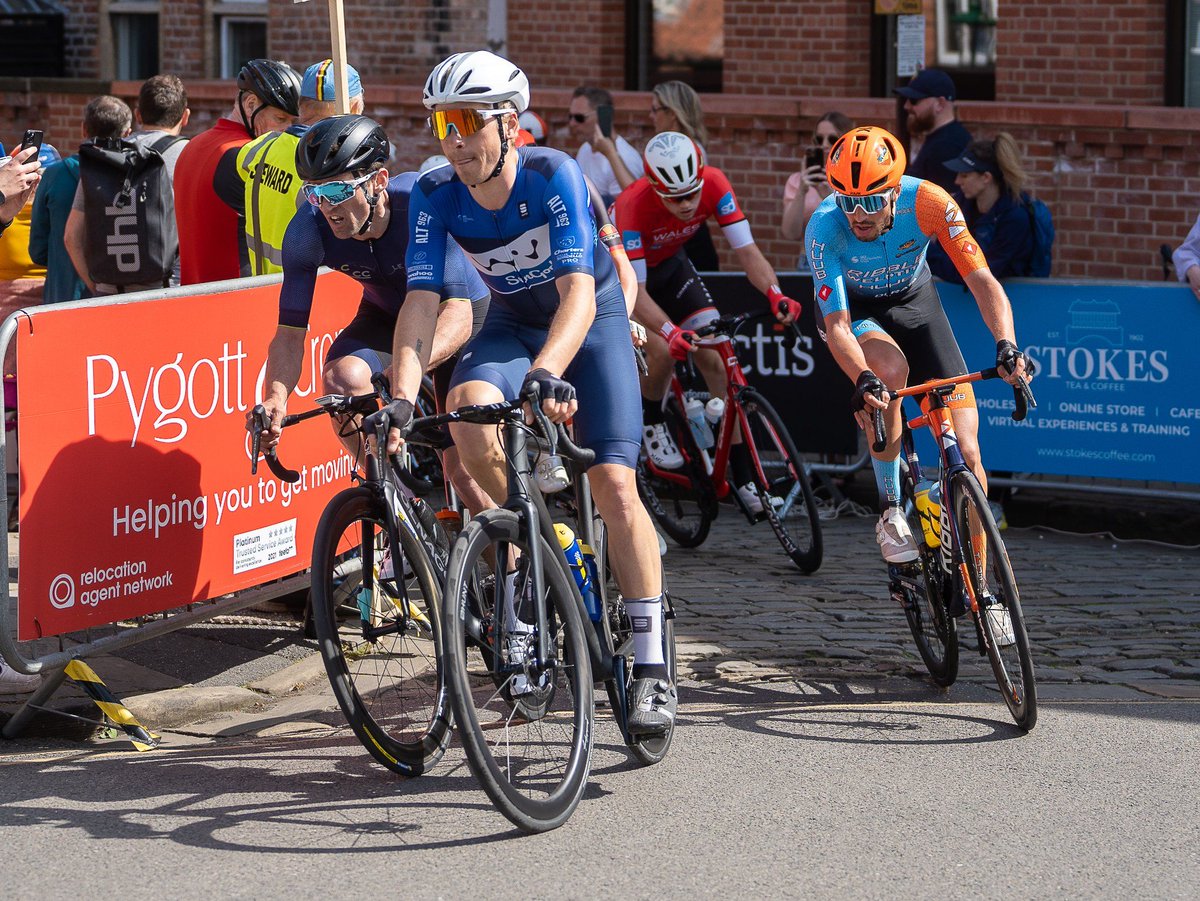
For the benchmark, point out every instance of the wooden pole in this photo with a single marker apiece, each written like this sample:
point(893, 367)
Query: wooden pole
point(337, 33)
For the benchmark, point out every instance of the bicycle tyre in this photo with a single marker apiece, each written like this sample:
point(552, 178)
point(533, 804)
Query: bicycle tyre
point(391, 687)
point(799, 531)
point(685, 514)
point(496, 757)
point(933, 629)
point(618, 632)
point(1019, 696)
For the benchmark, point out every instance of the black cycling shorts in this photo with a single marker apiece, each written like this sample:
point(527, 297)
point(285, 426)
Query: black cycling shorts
point(674, 285)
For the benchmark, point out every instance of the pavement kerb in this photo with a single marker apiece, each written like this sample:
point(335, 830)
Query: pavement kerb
point(292, 678)
point(190, 704)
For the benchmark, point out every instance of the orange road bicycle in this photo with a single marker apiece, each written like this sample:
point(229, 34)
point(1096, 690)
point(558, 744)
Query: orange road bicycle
point(963, 565)
point(684, 501)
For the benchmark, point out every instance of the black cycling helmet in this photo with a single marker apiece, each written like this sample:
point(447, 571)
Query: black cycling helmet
point(341, 144)
point(274, 83)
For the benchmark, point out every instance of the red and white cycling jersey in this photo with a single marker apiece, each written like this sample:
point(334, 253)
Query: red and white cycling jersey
point(652, 233)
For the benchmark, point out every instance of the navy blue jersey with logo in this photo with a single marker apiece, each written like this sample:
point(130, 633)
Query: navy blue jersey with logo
point(544, 230)
point(378, 264)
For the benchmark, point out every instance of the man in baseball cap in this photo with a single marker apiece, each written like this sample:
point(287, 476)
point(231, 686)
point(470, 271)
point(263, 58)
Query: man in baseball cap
point(318, 86)
point(929, 102)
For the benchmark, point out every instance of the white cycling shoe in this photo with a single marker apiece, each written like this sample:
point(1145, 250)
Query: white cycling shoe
point(660, 447)
point(895, 537)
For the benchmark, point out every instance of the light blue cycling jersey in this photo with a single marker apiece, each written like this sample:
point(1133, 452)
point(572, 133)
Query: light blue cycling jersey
point(545, 230)
point(894, 263)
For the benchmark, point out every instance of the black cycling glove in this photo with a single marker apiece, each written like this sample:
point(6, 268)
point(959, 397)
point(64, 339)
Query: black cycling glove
point(1007, 355)
point(548, 386)
point(396, 415)
point(868, 383)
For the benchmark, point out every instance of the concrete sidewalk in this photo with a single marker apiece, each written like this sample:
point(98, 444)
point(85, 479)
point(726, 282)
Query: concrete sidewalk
point(1107, 620)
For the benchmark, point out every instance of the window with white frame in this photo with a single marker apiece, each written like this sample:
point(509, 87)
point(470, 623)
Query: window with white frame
point(966, 34)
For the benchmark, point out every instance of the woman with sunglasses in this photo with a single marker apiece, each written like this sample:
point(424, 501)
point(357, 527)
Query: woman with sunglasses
point(356, 221)
point(656, 216)
point(806, 189)
point(880, 313)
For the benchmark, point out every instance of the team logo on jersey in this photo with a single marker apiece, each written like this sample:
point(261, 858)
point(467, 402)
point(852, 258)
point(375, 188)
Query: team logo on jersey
point(955, 219)
point(632, 240)
point(727, 206)
point(523, 210)
point(528, 251)
point(566, 241)
point(824, 292)
point(903, 247)
point(419, 256)
point(969, 249)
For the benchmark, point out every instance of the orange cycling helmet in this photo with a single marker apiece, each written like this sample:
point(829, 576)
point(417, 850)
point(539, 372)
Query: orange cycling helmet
point(867, 160)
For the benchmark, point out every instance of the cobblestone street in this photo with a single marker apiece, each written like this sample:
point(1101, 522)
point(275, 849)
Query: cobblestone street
point(1106, 620)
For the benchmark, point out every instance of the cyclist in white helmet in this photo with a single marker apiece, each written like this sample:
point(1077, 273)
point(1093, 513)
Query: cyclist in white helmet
point(558, 319)
point(656, 216)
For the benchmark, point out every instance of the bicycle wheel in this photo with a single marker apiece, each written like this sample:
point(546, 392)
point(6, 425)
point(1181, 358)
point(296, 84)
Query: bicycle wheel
point(532, 757)
point(685, 512)
point(384, 667)
point(990, 573)
point(933, 628)
point(783, 484)
point(618, 635)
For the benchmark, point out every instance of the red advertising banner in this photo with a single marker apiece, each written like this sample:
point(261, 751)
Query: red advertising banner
point(136, 493)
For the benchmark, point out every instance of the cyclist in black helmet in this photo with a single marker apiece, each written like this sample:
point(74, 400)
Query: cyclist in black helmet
point(356, 221)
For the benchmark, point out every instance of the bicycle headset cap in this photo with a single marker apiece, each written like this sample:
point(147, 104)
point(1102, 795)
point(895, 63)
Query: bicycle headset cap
point(867, 160)
point(477, 76)
point(672, 163)
point(341, 144)
point(274, 83)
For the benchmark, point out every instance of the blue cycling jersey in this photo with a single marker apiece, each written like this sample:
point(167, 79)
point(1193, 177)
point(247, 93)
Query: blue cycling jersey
point(892, 264)
point(378, 264)
point(543, 231)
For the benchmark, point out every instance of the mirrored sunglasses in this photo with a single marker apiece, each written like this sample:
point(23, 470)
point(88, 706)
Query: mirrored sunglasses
point(333, 192)
point(465, 121)
point(870, 203)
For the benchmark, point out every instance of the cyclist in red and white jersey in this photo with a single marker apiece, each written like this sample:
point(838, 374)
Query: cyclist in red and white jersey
point(656, 216)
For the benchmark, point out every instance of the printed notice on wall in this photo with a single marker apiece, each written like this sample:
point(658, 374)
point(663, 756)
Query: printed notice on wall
point(264, 546)
point(910, 45)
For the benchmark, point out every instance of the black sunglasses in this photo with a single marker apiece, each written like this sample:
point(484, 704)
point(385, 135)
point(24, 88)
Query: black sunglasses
point(825, 139)
point(579, 117)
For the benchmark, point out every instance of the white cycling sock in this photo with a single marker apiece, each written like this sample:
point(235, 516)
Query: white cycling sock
point(515, 624)
point(646, 616)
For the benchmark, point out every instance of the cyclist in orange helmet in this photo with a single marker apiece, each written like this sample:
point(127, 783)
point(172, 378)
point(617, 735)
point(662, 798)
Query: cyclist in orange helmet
point(879, 311)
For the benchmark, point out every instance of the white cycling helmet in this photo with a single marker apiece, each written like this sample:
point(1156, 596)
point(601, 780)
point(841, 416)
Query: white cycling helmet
point(478, 76)
point(673, 164)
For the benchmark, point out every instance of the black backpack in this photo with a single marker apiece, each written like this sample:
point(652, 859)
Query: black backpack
point(129, 211)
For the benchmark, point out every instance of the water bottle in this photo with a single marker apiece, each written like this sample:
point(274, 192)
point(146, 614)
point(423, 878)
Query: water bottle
point(929, 510)
point(578, 566)
point(550, 474)
point(701, 431)
point(714, 409)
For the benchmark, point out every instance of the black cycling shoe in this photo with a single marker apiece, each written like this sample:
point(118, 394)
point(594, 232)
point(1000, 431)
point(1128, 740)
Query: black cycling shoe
point(652, 703)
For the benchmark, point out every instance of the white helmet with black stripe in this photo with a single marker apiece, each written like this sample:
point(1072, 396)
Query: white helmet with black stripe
point(478, 76)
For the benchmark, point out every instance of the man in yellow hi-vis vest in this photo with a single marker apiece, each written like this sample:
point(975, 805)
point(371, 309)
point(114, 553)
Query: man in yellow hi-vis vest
point(267, 166)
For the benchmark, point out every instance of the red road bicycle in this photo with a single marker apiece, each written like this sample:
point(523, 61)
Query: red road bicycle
point(684, 500)
point(963, 562)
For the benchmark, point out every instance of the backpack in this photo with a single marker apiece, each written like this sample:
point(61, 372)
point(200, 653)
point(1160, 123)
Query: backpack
point(1041, 227)
point(129, 211)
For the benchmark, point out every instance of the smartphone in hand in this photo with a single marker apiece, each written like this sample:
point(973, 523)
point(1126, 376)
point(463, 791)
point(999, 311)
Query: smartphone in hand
point(604, 118)
point(815, 156)
point(32, 138)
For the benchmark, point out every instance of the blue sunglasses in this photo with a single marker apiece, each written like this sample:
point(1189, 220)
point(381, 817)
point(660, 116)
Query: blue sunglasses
point(334, 192)
point(870, 203)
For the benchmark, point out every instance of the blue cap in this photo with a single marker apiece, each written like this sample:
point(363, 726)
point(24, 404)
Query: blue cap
point(48, 155)
point(928, 83)
point(318, 83)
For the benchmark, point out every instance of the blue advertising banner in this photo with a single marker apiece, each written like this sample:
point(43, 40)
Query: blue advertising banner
point(1116, 384)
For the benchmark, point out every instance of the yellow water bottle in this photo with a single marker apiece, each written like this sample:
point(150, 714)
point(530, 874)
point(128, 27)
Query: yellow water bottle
point(579, 569)
point(929, 510)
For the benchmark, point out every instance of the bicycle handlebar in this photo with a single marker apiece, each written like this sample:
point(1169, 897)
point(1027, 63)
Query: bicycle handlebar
point(1022, 397)
point(728, 325)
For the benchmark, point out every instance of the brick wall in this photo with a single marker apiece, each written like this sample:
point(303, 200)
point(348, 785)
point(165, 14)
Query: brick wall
point(804, 47)
point(81, 56)
point(569, 44)
point(1088, 51)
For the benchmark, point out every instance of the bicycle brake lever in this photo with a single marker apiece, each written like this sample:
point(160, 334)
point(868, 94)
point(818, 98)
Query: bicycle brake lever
point(259, 420)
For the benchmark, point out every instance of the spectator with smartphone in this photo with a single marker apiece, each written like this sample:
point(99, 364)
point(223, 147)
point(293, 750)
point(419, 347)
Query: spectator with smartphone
point(674, 106)
point(21, 277)
point(805, 190)
point(19, 175)
point(604, 156)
